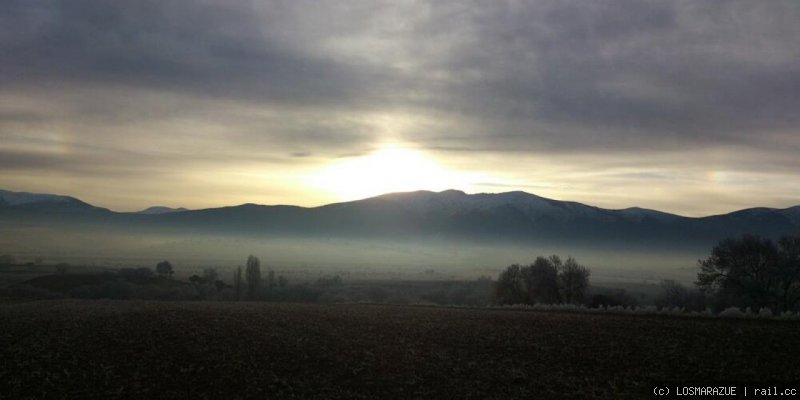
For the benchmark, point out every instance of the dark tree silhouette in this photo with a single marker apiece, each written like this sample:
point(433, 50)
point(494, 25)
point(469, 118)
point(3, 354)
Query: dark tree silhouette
point(510, 288)
point(789, 272)
point(541, 280)
point(573, 280)
point(253, 276)
point(237, 282)
point(211, 281)
point(751, 271)
point(164, 268)
point(547, 280)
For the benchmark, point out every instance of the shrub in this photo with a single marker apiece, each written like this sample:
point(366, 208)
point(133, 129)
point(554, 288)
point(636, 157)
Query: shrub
point(731, 312)
point(107, 290)
point(673, 294)
point(136, 275)
point(164, 268)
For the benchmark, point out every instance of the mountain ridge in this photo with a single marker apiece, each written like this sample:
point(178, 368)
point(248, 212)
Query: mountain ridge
point(45, 201)
point(46, 198)
point(508, 216)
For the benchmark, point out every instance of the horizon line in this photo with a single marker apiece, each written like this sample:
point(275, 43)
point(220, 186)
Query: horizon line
point(400, 193)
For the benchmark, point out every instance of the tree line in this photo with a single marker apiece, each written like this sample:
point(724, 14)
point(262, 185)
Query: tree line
point(549, 280)
point(744, 272)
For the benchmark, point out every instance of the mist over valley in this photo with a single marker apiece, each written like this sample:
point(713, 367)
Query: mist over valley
point(458, 235)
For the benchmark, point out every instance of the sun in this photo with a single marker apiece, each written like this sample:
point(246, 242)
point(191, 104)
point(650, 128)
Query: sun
point(389, 169)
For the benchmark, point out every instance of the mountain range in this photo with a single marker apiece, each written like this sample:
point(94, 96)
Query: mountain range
point(451, 214)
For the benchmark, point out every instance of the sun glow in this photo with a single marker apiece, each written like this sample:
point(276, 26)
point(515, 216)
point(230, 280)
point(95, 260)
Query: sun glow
point(390, 169)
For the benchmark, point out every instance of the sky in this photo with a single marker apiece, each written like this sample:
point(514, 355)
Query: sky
point(690, 107)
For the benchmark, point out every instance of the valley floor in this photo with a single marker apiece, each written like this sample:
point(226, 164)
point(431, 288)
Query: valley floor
point(138, 349)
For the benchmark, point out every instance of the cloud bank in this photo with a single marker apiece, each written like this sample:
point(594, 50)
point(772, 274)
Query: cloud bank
point(687, 106)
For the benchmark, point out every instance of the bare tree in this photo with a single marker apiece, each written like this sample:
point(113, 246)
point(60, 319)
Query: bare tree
point(743, 271)
point(751, 271)
point(548, 281)
point(253, 276)
point(573, 280)
point(541, 280)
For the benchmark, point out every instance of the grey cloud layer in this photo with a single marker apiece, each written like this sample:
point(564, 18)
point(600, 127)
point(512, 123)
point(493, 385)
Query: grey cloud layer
point(180, 45)
point(531, 76)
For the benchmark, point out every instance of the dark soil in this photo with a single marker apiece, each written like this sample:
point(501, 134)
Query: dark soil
point(194, 350)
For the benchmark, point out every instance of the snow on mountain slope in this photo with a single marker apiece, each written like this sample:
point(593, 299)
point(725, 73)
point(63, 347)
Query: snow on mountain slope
point(155, 210)
point(454, 202)
point(20, 198)
point(43, 201)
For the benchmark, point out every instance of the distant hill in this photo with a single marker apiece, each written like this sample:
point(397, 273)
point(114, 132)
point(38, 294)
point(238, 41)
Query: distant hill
point(44, 202)
point(160, 210)
point(485, 217)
